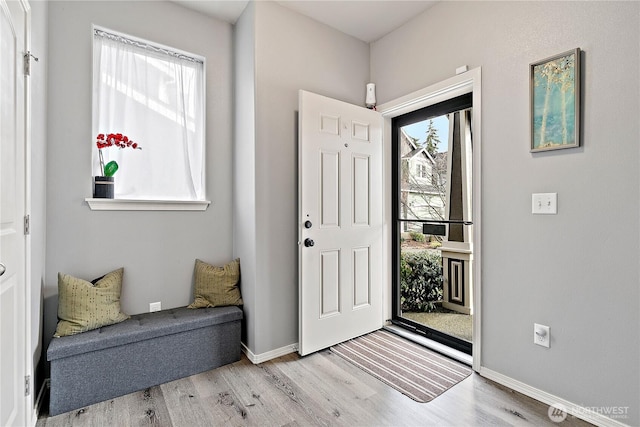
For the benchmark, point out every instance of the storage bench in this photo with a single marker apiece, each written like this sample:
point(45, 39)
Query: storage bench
point(146, 350)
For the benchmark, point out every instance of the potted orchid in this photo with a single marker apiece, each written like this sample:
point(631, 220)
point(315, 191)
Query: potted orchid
point(104, 184)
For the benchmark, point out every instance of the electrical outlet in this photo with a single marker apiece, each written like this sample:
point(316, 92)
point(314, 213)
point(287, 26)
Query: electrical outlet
point(155, 306)
point(541, 335)
point(544, 203)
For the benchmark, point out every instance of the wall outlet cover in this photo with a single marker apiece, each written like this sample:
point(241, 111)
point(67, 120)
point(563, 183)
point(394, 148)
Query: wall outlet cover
point(541, 335)
point(155, 306)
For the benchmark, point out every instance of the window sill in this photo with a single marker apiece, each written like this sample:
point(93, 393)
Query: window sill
point(146, 205)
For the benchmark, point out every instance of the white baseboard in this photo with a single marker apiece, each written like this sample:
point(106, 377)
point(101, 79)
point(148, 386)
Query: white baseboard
point(578, 411)
point(263, 357)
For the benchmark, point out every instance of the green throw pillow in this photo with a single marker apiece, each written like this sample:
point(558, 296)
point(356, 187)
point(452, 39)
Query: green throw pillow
point(216, 286)
point(83, 306)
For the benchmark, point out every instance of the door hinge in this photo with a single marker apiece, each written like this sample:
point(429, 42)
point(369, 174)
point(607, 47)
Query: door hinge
point(27, 385)
point(27, 62)
point(27, 225)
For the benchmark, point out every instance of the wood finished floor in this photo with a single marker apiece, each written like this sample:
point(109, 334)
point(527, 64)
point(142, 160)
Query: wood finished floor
point(317, 390)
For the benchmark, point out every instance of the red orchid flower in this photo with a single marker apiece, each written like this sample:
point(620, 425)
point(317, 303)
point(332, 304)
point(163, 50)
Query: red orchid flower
point(113, 140)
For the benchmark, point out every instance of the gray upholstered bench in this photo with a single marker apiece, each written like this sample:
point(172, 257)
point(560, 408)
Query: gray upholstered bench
point(144, 351)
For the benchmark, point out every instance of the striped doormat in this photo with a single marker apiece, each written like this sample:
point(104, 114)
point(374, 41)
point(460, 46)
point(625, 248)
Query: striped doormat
point(410, 368)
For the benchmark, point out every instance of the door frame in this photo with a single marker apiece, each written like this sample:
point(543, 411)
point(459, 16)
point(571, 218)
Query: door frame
point(452, 105)
point(30, 413)
point(467, 82)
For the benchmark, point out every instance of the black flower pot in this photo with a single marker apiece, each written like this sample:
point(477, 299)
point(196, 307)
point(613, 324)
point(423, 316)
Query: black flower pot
point(103, 187)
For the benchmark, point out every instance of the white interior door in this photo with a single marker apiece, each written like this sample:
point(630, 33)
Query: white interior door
point(340, 220)
point(12, 208)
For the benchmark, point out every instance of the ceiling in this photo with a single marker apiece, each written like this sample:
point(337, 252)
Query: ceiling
point(367, 20)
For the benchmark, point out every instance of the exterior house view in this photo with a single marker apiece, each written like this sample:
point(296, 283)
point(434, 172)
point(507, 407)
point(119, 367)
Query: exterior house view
point(218, 182)
point(423, 181)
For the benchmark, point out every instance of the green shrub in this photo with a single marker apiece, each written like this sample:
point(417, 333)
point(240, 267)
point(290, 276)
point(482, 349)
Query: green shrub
point(417, 236)
point(420, 281)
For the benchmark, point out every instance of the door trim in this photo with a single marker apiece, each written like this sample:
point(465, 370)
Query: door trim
point(449, 88)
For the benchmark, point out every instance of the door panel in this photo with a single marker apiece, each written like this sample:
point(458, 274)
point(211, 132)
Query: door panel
point(330, 189)
point(361, 190)
point(340, 199)
point(361, 277)
point(360, 131)
point(330, 283)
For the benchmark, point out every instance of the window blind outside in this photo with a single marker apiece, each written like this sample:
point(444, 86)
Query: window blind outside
point(156, 97)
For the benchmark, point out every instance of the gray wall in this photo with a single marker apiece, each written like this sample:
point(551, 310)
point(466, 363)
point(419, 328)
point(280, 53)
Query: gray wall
point(156, 249)
point(38, 200)
point(244, 160)
point(291, 52)
point(577, 271)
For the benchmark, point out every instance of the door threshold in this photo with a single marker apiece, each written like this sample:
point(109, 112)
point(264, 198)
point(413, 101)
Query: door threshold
point(431, 344)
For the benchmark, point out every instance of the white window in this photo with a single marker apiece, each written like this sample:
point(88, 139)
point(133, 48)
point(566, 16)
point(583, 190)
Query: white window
point(421, 170)
point(155, 96)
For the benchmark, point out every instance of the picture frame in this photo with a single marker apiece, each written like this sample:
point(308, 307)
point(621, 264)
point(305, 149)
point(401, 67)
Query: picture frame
point(554, 87)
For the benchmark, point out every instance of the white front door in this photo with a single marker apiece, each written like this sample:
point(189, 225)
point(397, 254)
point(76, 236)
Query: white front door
point(340, 221)
point(13, 410)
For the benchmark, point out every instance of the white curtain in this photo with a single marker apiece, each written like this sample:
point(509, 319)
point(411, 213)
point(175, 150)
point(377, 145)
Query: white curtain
point(157, 99)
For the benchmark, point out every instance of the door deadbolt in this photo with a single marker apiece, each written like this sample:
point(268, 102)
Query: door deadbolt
point(308, 224)
point(308, 242)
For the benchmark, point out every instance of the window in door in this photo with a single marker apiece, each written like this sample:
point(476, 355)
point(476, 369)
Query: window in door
point(432, 233)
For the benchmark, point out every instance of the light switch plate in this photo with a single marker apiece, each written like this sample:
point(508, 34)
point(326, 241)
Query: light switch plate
point(544, 203)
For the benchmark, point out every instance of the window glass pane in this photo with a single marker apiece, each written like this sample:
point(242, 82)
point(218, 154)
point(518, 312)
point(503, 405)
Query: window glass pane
point(157, 100)
point(423, 150)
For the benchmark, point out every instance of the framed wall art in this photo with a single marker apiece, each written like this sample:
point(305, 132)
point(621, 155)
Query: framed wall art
point(555, 102)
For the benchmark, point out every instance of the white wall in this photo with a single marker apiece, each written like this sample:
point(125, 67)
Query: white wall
point(292, 52)
point(156, 249)
point(578, 271)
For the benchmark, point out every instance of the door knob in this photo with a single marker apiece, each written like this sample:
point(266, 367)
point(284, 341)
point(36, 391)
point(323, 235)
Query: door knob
point(308, 224)
point(3, 268)
point(308, 242)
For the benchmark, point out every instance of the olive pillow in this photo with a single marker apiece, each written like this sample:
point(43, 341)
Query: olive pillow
point(216, 286)
point(83, 305)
